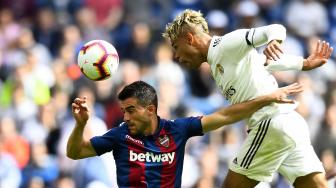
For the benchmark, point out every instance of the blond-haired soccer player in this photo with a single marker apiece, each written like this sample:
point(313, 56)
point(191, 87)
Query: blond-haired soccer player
point(278, 139)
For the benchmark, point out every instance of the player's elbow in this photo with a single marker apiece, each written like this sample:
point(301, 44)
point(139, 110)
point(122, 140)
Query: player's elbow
point(278, 27)
point(72, 156)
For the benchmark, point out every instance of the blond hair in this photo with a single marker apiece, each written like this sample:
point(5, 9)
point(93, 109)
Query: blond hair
point(187, 21)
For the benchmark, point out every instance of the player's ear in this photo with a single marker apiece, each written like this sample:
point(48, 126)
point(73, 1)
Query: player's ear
point(151, 108)
point(190, 38)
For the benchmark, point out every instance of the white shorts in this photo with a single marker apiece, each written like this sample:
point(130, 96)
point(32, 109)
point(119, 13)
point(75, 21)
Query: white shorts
point(280, 144)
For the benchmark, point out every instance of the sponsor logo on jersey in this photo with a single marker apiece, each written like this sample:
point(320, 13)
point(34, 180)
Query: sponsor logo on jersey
point(151, 157)
point(229, 92)
point(164, 141)
point(235, 161)
point(217, 41)
point(134, 140)
point(220, 68)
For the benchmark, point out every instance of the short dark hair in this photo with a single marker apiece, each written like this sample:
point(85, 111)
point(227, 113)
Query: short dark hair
point(142, 91)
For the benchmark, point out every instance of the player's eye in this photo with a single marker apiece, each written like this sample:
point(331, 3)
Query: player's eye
point(130, 111)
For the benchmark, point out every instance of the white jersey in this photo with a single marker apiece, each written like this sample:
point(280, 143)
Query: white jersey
point(239, 70)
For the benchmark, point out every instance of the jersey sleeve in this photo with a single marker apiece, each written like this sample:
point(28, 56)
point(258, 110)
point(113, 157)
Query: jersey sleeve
point(237, 44)
point(105, 143)
point(260, 36)
point(286, 62)
point(191, 126)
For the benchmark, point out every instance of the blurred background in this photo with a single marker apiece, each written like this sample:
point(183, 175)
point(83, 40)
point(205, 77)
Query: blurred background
point(39, 77)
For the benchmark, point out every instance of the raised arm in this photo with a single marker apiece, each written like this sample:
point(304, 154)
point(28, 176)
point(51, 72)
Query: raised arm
point(237, 112)
point(238, 43)
point(77, 147)
point(263, 35)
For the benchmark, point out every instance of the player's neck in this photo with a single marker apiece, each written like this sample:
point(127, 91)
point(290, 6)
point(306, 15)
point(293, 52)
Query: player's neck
point(154, 125)
point(204, 47)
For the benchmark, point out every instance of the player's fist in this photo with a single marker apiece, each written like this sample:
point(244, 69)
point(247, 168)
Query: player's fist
point(80, 111)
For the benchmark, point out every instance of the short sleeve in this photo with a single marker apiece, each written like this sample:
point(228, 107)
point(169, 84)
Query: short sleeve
point(191, 126)
point(105, 143)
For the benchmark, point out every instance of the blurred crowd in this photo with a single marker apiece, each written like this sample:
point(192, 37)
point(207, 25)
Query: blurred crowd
point(39, 78)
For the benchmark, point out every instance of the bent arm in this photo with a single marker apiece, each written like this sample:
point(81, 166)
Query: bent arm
point(262, 35)
point(237, 44)
point(77, 147)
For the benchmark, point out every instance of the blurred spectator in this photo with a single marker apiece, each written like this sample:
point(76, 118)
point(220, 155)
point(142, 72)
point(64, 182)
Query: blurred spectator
point(37, 79)
point(23, 9)
point(13, 143)
point(191, 172)
point(328, 160)
point(311, 105)
point(228, 146)
point(106, 95)
point(37, 130)
point(154, 13)
point(87, 21)
point(22, 107)
point(141, 48)
point(9, 29)
point(42, 167)
point(307, 18)
point(218, 22)
point(26, 42)
point(326, 136)
point(104, 9)
point(65, 181)
point(247, 13)
point(46, 29)
point(271, 10)
point(10, 175)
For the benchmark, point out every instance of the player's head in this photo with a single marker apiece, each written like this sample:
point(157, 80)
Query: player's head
point(139, 104)
point(186, 33)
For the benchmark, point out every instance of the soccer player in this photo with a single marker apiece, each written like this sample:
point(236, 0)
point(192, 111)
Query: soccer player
point(148, 150)
point(278, 138)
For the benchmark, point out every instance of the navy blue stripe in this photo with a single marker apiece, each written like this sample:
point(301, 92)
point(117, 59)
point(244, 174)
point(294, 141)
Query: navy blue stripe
point(249, 150)
point(258, 145)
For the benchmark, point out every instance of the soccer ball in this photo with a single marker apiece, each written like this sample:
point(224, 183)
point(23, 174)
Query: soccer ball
point(98, 60)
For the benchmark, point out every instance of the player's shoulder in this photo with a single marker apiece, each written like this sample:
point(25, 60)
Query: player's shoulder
point(120, 129)
point(185, 120)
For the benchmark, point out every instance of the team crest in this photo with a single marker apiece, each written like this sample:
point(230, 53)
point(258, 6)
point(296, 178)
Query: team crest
point(164, 141)
point(220, 68)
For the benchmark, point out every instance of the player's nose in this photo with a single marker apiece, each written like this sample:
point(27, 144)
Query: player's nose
point(126, 117)
point(176, 58)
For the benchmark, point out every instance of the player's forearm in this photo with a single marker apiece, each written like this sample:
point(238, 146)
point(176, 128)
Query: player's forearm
point(286, 62)
point(234, 113)
point(263, 35)
point(75, 142)
point(244, 110)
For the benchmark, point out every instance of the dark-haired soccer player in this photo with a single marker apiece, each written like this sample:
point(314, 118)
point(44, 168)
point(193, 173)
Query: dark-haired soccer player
point(148, 150)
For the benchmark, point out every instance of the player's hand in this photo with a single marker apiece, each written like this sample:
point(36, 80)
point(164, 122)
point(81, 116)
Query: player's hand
point(280, 95)
point(273, 51)
point(80, 111)
point(318, 57)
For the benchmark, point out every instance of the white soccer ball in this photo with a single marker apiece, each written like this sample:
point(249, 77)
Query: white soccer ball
point(98, 60)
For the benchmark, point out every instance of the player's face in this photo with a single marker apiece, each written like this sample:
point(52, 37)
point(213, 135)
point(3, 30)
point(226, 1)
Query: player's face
point(136, 116)
point(186, 54)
